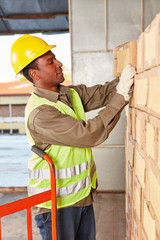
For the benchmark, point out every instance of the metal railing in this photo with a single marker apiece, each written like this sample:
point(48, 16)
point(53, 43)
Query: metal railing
point(29, 202)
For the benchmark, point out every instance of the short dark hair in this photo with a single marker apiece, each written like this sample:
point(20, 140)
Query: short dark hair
point(25, 71)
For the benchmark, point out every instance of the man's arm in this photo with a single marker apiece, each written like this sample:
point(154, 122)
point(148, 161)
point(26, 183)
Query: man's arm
point(48, 126)
point(100, 95)
point(96, 96)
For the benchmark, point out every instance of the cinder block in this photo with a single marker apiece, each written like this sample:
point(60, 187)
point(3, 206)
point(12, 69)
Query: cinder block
point(87, 25)
point(123, 25)
point(151, 44)
point(87, 68)
point(109, 161)
point(122, 55)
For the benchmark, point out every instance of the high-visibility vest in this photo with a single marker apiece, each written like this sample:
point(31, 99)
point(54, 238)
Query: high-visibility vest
point(75, 167)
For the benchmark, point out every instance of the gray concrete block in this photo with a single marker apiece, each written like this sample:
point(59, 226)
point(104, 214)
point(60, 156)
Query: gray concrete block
point(92, 68)
point(110, 164)
point(151, 8)
point(124, 21)
point(117, 136)
point(87, 25)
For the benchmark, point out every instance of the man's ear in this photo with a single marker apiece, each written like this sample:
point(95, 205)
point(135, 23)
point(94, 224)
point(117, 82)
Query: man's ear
point(33, 74)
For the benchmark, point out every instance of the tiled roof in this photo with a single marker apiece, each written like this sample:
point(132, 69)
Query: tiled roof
point(18, 87)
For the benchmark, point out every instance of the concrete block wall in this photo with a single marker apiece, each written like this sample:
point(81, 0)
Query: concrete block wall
point(96, 27)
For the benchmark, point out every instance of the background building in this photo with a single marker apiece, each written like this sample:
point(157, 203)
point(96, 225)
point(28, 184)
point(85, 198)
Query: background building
point(13, 98)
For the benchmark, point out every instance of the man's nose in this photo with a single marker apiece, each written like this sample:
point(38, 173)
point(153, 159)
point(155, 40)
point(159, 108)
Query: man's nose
point(58, 63)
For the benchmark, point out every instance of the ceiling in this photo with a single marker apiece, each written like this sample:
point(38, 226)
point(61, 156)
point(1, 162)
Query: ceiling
point(32, 16)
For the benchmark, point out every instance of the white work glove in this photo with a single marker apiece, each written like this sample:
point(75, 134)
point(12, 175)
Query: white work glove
point(125, 85)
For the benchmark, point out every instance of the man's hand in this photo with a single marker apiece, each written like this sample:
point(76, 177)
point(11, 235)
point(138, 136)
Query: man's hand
point(125, 85)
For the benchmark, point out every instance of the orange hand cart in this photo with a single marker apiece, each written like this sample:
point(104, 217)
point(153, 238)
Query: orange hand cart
point(29, 202)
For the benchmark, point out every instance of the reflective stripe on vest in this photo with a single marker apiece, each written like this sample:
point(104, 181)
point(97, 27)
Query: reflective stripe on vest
point(60, 173)
point(71, 189)
point(64, 191)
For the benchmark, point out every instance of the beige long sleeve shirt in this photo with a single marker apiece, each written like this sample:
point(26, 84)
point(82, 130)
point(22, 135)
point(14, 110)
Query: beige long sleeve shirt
point(48, 126)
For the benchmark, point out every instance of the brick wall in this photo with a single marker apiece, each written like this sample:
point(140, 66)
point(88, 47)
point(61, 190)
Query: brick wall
point(142, 142)
point(17, 110)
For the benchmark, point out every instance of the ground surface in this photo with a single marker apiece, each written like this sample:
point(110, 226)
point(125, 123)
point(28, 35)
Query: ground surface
point(109, 214)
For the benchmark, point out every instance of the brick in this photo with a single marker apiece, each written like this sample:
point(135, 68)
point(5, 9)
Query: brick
point(151, 44)
point(136, 227)
point(128, 229)
point(140, 53)
point(133, 123)
point(141, 88)
point(140, 167)
point(130, 152)
point(122, 55)
point(148, 221)
point(154, 189)
point(137, 198)
point(158, 148)
point(153, 140)
point(150, 140)
point(143, 235)
point(154, 92)
point(129, 193)
point(140, 121)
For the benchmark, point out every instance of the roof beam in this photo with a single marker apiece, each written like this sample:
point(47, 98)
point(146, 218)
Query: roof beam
point(34, 16)
point(5, 24)
point(33, 31)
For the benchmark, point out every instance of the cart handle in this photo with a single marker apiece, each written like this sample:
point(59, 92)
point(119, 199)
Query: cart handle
point(46, 157)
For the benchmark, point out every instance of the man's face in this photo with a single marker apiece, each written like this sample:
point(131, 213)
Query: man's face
point(49, 70)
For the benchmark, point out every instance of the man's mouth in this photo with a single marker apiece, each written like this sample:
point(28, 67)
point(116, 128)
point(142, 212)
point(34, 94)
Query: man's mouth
point(60, 72)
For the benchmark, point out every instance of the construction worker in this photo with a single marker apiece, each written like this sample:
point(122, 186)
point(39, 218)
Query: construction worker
point(56, 123)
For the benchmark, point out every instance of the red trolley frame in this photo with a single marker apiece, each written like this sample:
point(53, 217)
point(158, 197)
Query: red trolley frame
point(29, 202)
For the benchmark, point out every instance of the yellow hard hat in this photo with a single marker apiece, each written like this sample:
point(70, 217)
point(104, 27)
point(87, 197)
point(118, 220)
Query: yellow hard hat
point(26, 49)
